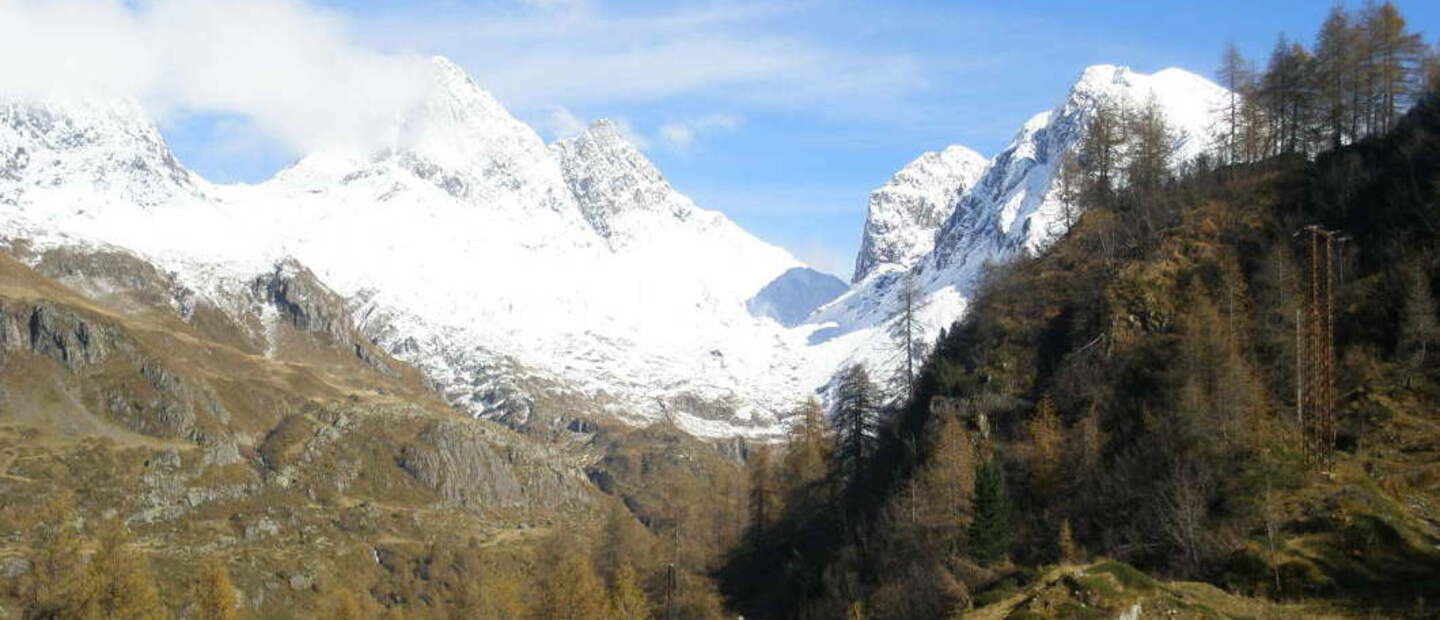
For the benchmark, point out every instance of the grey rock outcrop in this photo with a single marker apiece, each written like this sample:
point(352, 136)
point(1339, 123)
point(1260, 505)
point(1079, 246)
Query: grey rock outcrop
point(470, 466)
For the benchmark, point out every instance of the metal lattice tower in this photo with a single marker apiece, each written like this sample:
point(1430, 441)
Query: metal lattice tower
point(1317, 338)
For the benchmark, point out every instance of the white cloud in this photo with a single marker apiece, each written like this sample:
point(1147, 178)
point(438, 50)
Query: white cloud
point(628, 130)
point(309, 77)
point(293, 70)
point(681, 135)
point(560, 123)
point(736, 53)
point(823, 257)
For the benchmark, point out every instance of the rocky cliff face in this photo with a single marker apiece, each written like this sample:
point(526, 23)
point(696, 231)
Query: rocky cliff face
point(620, 192)
point(75, 151)
point(904, 215)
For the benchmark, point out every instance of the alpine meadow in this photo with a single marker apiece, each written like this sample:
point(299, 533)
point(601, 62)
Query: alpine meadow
point(340, 310)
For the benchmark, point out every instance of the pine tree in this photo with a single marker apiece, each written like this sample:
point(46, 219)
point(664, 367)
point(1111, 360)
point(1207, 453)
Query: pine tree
point(991, 531)
point(213, 593)
point(1150, 151)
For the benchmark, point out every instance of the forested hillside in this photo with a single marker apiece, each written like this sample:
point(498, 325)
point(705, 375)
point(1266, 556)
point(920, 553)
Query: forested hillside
point(1163, 387)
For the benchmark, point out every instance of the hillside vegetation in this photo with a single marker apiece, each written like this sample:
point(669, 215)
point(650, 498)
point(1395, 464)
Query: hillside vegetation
point(1131, 394)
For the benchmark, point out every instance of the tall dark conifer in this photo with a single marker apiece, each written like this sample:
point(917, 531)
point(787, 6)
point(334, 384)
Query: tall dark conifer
point(856, 420)
point(992, 529)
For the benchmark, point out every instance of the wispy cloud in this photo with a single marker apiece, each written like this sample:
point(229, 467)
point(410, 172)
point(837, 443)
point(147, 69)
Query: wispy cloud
point(738, 52)
point(680, 135)
point(635, 136)
point(292, 70)
point(559, 123)
point(825, 257)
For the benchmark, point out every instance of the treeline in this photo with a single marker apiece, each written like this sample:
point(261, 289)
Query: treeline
point(1131, 392)
point(1363, 71)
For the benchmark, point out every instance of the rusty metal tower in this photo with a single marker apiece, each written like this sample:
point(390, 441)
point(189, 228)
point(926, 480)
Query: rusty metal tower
point(1316, 338)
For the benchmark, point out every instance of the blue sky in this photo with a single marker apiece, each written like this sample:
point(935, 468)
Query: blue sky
point(783, 115)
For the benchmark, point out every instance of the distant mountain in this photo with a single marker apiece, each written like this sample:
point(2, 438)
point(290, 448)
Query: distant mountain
point(790, 298)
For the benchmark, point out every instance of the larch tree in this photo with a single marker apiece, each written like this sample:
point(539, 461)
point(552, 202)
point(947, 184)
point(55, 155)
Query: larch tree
point(1070, 184)
point(568, 588)
point(1398, 54)
point(764, 497)
point(1149, 154)
point(58, 584)
point(341, 604)
point(946, 485)
point(622, 541)
point(856, 420)
point(1419, 329)
point(125, 586)
point(1046, 446)
point(1337, 69)
point(1431, 71)
point(1235, 75)
point(627, 599)
point(807, 454)
point(1100, 153)
point(907, 333)
point(213, 594)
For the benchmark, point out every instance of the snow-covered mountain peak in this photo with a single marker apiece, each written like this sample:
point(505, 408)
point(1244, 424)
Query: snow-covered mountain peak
point(620, 192)
point(1013, 207)
point(457, 138)
point(904, 214)
point(1187, 100)
point(61, 146)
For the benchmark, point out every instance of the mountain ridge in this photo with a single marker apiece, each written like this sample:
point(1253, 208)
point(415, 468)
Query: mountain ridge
point(477, 263)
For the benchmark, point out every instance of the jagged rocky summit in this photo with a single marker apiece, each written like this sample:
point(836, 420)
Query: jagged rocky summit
point(1009, 206)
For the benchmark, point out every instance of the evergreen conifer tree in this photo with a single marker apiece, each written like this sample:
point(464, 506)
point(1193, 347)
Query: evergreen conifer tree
point(992, 529)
